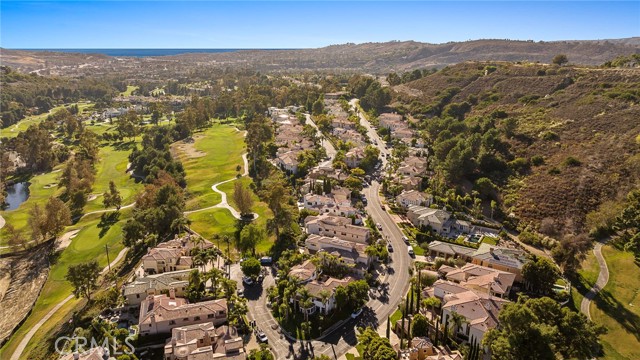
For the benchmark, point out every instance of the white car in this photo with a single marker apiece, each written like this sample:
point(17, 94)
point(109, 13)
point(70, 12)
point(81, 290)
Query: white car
point(247, 281)
point(262, 337)
point(379, 226)
point(410, 250)
point(356, 313)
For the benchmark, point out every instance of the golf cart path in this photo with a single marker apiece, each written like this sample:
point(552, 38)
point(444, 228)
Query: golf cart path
point(223, 202)
point(603, 279)
point(23, 344)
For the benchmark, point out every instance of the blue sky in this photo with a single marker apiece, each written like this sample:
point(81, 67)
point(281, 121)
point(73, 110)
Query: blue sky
point(306, 24)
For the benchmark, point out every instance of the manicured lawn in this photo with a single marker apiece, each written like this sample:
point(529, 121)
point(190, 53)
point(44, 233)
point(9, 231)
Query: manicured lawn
point(218, 151)
point(213, 221)
point(112, 166)
point(397, 315)
point(587, 277)
point(38, 194)
point(258, 207)
point(22, 125)
point(88, 245)
point(489, 240)
point(617, 306)
point(130, 89)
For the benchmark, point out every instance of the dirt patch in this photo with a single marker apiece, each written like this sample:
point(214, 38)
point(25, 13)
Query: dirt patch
point(187, 148)
point(49, 186)
point(92, 197)
point(25, 273)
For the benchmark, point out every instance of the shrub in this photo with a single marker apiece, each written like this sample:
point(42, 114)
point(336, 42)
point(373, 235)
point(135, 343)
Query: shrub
point(537, 160)
point(549, 136)
point(571, 162)
point(554, 171)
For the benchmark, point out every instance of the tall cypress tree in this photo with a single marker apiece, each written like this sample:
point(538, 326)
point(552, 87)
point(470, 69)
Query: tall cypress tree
point(411, 288)
point(419, 290)
point(389, 327)
point(409, 334)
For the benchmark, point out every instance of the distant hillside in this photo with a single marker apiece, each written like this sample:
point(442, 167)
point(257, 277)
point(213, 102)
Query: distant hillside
point(584, 123)
point(369, 57)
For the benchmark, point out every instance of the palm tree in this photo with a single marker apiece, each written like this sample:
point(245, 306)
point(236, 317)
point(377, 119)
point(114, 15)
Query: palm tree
point(324, 297)
point(200, 259)
point(431, 304)
point(214, 275)
point(457, 320)
point(180, 224)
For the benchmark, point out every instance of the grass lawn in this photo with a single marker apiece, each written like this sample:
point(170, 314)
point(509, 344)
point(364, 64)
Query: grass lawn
point(617, 306)
point(489, 240)
point(213, 157)
point(397, 315)
point(89, 244)
point(587, 277)
point(22, 125)
point(38, 194)
point(259, 207)
point(112, 166)
point(130, 89)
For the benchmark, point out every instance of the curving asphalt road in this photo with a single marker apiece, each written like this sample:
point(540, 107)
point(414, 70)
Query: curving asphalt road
point(603, 279)
point(342, 339)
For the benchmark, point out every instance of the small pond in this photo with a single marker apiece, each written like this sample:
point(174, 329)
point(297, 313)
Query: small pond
point(16, 195)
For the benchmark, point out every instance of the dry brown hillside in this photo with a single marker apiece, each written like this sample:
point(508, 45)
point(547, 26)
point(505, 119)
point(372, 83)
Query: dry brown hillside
point(584, 122)
point(379, 58)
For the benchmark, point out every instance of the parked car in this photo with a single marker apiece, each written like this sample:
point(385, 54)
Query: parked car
point(266, 261)
point(379, 226)
point(389, 247)
point(240, 293)
point(405, 239)
point(261, 336)
point(247, 281)
point(356, 313)
point(410, 251)
point(382, 207)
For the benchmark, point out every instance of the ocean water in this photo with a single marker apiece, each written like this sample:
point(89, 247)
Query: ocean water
point(143, 52)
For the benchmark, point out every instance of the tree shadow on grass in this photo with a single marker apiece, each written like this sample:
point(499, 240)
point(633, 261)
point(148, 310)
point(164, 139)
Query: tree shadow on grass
point(106, 221)
point(618, 312)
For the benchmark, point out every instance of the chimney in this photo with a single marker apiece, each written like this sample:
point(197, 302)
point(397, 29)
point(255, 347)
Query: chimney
point(172, 293)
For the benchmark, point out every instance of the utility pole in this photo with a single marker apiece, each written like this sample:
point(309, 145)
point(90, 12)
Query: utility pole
point(108, 261)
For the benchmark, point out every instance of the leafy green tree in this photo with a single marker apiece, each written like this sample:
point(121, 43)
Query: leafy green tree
point(262, 354)
point(196, 288)
point(560, 59)
point(251, 267)
point(57, 216)
point(342, 297)
point(542, 329)
point(420, 326)
point(540, 274)
point(250, 236)
point(83, 277)
point(242, 198)
point(112, 197)
point(318, 107)
point(375, 347)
